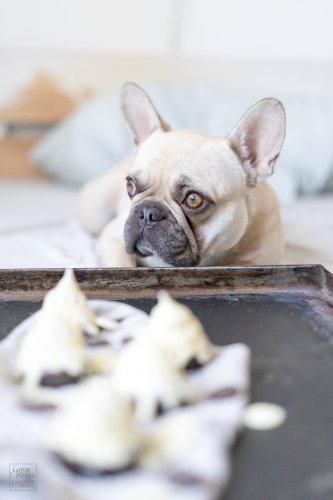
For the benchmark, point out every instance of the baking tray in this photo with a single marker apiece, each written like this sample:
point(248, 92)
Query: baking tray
point(285, 315)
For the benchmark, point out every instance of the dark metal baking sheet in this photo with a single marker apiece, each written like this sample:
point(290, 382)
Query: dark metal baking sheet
point(285, 315)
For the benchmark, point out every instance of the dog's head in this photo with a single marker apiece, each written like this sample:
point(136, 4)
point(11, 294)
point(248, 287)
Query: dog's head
point(188, 189)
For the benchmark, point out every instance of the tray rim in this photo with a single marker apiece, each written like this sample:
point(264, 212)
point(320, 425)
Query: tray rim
point(305, 280)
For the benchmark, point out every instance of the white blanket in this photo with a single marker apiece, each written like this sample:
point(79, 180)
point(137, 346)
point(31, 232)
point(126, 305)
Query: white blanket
point(38, 228)
point(215, 421)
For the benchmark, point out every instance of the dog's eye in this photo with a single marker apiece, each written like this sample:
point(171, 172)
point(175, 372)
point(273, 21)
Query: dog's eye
point(194, 200)
point(131, 188)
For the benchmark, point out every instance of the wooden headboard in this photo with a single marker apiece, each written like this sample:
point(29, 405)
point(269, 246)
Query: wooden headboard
point(35, 109)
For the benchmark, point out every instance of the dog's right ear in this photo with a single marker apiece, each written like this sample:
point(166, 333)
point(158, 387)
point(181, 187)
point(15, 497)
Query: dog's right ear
point(140, 113)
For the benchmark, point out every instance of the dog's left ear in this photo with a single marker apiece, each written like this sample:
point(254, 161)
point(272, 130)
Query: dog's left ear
point(140, 113)
point(258, 137)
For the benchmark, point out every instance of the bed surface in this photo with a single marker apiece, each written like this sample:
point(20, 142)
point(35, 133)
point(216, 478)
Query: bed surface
point(38, 228)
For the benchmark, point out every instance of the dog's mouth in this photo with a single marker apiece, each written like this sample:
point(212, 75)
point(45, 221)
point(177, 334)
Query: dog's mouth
point(158, 234)
point(179, 256)
point(141, 249)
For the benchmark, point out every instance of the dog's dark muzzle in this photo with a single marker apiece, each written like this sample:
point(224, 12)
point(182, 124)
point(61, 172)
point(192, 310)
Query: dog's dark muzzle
point(151, 229)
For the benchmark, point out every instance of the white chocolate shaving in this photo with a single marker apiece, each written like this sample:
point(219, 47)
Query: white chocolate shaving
point(264, 416)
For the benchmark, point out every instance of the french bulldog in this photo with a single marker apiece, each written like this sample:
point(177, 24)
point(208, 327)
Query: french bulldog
point(186, 198)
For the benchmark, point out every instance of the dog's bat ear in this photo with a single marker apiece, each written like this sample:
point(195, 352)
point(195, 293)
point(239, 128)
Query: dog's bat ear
point(140, 113)
point(258, 137)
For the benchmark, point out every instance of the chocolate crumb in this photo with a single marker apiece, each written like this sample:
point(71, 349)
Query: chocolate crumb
point(119, 320)
point(89, 336)
point(96, 342)
point(85, 470)
point(159, 411)
point(185, 478)
point(193, 364)
point(38, 406)
point(58, 379)
point(225, 392)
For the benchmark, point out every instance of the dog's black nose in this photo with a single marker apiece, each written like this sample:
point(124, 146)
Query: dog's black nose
point(149, 214)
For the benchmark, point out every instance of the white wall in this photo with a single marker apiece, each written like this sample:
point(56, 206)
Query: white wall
point(91, 25)
point(290, 30)
point(273, 44)
point(299, 30)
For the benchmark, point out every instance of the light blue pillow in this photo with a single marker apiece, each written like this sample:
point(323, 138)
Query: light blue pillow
point(85, 144)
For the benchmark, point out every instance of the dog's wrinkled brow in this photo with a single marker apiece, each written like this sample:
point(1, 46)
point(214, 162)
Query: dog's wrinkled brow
point(183, 184)
point(140, 186)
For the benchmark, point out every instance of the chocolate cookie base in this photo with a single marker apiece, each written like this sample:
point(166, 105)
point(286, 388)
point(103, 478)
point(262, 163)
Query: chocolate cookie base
point(225, 392)
point(27, 405)
point(87, 471)
point(186, 478)
point(58, 379)
point(193, 364)
point(161, 410)
point(96, 342)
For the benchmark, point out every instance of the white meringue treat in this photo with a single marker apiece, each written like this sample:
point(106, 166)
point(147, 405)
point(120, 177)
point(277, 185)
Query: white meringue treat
point(69, 303)
point(146, 376)
point(176, 330)
point(55, 341)
point(139, 422)
point(96, 429)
